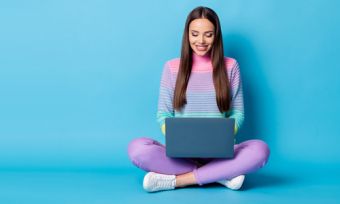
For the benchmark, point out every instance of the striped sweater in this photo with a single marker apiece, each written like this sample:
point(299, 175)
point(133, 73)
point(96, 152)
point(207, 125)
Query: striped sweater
point(200, 94)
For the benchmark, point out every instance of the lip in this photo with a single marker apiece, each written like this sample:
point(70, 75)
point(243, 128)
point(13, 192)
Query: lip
point(201, 47)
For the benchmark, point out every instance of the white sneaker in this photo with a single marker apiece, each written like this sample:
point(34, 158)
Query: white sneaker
point(234, 183)
point(158, 182)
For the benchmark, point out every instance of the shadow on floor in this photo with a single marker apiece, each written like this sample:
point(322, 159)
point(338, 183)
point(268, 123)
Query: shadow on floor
point(260, 180)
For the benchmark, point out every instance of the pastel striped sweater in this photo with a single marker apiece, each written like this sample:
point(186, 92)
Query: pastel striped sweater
point(200, 94)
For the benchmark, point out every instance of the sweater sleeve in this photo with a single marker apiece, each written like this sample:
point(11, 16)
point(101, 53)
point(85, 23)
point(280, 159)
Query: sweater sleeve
point(237, 106)
point(165, 105)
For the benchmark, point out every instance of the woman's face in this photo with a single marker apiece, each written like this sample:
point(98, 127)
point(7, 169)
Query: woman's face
point(201, 35)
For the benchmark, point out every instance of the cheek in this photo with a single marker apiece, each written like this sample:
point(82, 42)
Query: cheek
point(210, 41)
point(191, 40)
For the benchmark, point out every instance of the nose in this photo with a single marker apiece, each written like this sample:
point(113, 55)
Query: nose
point(201, 39)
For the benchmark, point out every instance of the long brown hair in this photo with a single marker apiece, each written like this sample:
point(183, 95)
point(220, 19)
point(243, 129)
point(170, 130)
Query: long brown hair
point(220, 75)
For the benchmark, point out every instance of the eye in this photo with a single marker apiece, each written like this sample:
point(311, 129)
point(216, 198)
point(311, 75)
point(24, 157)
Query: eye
point(194, 34)
point(209, 35)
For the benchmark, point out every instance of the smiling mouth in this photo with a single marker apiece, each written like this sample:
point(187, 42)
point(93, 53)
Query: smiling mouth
point(201, 47)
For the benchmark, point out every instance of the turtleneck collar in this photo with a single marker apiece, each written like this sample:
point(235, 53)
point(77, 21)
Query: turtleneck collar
point(201, 62)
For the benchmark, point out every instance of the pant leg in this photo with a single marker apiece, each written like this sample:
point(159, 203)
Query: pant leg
point(249, 156)
point(150, 155)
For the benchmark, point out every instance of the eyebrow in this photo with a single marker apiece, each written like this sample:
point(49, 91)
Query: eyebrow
point(204, 32)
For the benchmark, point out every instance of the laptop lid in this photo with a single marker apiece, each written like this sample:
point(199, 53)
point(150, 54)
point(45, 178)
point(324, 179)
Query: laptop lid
point(199, 137)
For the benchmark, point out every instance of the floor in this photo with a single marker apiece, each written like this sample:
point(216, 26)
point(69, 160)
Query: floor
point(299, 184)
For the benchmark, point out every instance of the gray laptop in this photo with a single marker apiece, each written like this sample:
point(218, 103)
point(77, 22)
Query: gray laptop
point(199, 137)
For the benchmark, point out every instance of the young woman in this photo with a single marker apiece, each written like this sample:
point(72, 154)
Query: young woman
point(201, 83)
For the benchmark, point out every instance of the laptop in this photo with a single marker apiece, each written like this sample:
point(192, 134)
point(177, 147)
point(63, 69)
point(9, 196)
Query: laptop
point(199, 137)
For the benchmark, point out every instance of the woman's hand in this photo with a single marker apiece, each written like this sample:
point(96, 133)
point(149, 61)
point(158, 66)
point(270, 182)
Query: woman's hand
point(235, 129)
point(163, 129)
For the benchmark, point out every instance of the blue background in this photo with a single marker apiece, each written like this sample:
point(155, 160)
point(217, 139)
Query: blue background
point(80, 79)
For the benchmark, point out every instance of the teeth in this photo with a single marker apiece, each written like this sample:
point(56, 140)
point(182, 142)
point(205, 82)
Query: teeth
point(201, 47)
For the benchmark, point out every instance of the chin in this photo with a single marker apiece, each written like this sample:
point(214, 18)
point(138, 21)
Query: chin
point(200, 53)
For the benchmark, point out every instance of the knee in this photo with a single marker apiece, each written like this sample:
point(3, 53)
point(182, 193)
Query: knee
point(136, 147)
point(142, 150)
point(261, 151)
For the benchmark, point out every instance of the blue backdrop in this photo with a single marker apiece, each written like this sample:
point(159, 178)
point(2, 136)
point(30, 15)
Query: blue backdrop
point(80, 79)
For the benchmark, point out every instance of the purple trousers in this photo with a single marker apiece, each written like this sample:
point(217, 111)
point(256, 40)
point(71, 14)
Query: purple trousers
point(150, 155)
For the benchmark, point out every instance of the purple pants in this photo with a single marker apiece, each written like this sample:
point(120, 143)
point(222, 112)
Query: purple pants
point(149, 155)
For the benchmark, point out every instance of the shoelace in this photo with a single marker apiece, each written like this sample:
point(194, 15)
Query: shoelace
point(161, 181)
